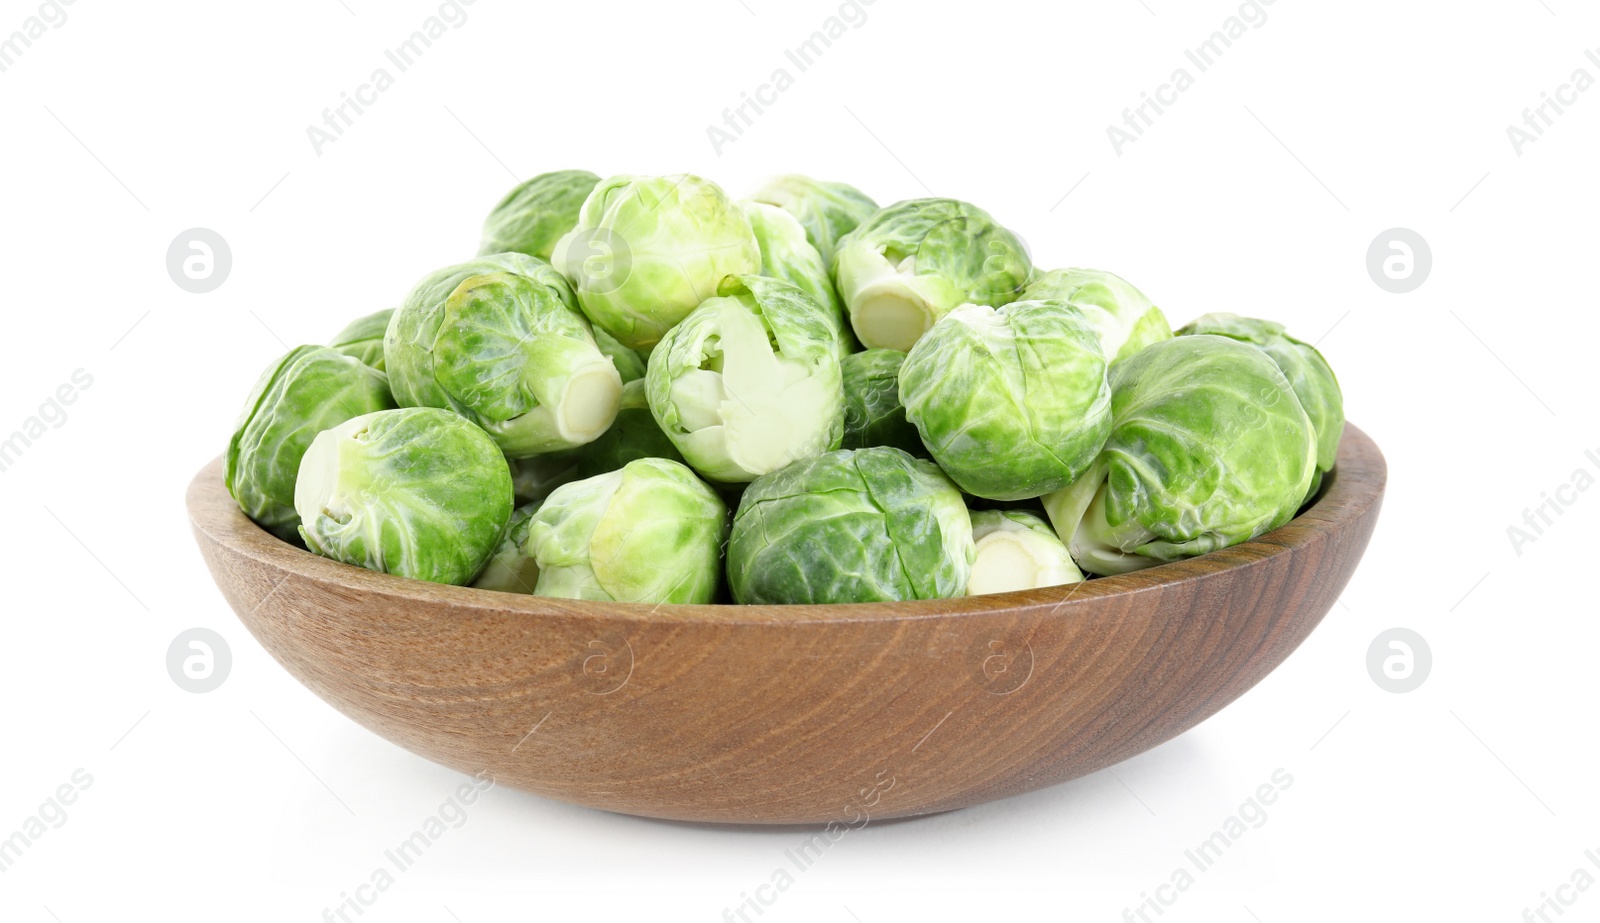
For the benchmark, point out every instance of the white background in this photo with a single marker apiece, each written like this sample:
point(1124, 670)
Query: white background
point(1259, 192)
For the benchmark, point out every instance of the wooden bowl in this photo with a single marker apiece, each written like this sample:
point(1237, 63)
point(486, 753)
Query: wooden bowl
point(793, 714)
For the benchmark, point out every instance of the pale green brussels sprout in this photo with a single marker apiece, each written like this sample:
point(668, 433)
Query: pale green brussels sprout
point(417, 492)
point(1126, 319)
point(1012, 402)
point(647, 250)
point(308, 390)
point(873, 414)
point(857, 525)
point(510, 569)
point(787, 255)
point(633, 435)
point(533, 478)
point(533, 216)
point(827, 211)
point(1014, 550)
point(363, 338)
point(649, 532)
point(749, 382)
point(630, 365)
point(1309, 375)
point(1208, 448)
point(913, 262)
point(500, 341)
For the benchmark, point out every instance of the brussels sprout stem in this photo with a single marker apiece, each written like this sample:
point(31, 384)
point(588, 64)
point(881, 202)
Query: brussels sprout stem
point(891, 318)
point(1101, 548)
point(317, 487)
point(589, 405)
point(1018, 560)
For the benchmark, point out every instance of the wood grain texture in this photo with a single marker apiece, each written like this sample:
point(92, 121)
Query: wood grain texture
point(793, 714)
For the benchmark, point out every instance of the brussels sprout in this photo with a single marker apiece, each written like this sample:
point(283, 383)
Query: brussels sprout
point(499, 340)
point(1125, 318)
point(510, 569)
point(647, 250)
point(787, 255)
point(1208, 448)
point(857, 525)
point(873, 414)
point(310, 389)
point(418, 492)
point(649, 532)
point(911, 263)
point(533, 478)
point(827, 211)
point(634, 435)
point(363, 338)
point(1309, 374)
point(1017, 551)
point(749, 381)
point(630, 365)
point(1011, 402)
point(533, 216)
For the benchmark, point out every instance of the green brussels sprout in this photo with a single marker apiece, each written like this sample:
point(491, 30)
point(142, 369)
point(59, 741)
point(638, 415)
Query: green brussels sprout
point(827, 211)
point(749, 382)
point(1208, 448)
point(1011, 402)
point(914, 261)
point(634, 435)
point(647, 250)
point(363, 338)
point(533, 216)
point(1014, 550)
point(500, 341)
point(630, 365)
point(873, 414)
point(1309, 375)
point(1126, 319)
point(308, 390)
point(533, 478)
point(857, 525)
point(649, 532)
point(417, 492)
point(787, 255)
point(510, 569)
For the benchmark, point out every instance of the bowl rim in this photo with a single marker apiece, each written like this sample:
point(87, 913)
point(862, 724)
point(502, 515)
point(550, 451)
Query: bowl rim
point(1349, 491)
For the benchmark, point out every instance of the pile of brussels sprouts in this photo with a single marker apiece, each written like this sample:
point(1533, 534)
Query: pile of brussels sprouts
point(894, 403)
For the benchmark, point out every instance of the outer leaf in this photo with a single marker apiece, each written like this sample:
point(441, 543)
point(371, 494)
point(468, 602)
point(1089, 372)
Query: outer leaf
point(1309, 374)
point(417, 492)
point(851, 526)
point(1208, 448)
point(1012, 402)
point(534, 215)
point(827, 211)
point(647, 250)
point(649, 532)
point(310, 389)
